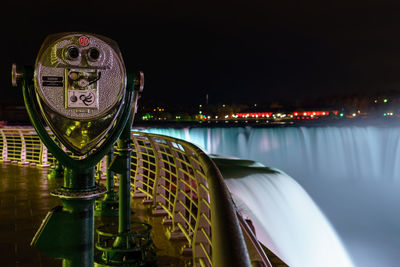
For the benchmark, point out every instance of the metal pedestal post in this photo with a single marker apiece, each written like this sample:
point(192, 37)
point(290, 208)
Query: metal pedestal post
point(108, 206)
point(123, 151)
point(57, 172)
point(68, 230)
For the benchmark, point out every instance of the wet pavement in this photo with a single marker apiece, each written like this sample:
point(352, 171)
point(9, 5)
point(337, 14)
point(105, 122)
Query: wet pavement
point(24, 203)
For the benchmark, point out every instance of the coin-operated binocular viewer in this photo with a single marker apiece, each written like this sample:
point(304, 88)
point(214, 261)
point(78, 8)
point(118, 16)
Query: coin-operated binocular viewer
point(80, 88)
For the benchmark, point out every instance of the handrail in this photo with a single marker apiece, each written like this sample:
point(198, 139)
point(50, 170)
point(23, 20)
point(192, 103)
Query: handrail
point(250, 234)
point(180, 179)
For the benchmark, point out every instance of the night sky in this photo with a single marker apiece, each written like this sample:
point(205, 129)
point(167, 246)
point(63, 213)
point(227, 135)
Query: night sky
point(236, 51)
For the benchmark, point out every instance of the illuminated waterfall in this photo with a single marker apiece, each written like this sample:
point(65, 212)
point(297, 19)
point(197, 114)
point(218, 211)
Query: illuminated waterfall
point(351, 173)
point(285, 218)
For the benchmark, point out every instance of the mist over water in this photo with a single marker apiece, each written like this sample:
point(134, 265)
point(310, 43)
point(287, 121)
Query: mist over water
point(352, 174)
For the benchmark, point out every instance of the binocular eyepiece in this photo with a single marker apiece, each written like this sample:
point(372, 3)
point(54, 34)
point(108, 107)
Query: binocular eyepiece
point(73, 53)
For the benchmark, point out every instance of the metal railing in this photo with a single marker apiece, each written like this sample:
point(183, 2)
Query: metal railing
point(180, 182)
point(169, 173)
point(23, 146)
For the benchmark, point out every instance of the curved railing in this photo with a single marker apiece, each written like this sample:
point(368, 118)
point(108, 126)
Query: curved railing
point(23, 146)
point(180, 182)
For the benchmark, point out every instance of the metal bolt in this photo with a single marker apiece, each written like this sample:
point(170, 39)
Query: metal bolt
point(139, 85)
point(16, 75)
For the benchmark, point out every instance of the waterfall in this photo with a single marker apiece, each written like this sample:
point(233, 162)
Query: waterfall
point(351, 173)
point(285, 218)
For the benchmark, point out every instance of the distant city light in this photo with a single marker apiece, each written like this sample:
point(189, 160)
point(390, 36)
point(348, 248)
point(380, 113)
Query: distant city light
point(385, 100)
point(257, 116)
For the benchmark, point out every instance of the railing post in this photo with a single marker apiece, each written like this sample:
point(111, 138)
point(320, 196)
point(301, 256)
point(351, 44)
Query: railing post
point(23, 148)
point(174, 232)
point(4, 148)
point(43, 155)
point(157, 164)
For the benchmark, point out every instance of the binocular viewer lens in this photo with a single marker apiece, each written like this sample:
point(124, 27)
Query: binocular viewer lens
point(73, 53)
point(93, 54)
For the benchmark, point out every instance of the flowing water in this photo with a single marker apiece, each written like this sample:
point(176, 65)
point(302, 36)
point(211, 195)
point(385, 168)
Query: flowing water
point(351, 173)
